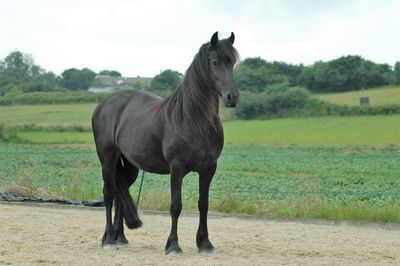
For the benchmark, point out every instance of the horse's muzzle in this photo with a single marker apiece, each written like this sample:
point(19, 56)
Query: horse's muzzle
point(231, 99)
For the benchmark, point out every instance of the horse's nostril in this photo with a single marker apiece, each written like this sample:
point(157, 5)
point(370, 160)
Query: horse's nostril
point(229, 96)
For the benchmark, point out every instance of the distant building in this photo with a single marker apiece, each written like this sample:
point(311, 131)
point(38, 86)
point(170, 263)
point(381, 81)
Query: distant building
point(105, 83)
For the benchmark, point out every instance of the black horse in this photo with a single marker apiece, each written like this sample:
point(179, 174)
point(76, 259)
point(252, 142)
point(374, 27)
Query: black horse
point(137, 130)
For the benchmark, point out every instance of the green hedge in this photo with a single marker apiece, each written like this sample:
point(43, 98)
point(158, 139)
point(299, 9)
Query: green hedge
point(56, 128)
point(52, 98)
point(315, 107)
point(298, 102)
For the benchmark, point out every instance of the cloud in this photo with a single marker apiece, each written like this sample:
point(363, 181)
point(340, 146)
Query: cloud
point(143, 37)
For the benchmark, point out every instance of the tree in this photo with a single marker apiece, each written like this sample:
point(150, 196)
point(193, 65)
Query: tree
point(374, 75)
point(111, 73)
point(346, 73)
point(249, 78)
point(75, 79)
point(50, 78)
point(18, 72)
point(21, 67)
point(166, 80)
point(254, 62)
point(397, 72)
point(256, 74)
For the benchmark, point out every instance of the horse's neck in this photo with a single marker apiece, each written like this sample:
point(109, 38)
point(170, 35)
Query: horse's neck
point(205, 106)
point(194, 109)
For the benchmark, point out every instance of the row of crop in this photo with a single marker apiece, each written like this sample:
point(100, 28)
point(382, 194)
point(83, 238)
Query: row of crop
point(279, 181)
point(251, 171)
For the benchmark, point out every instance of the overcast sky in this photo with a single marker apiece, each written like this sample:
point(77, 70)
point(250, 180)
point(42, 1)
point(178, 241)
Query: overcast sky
point(141, 38)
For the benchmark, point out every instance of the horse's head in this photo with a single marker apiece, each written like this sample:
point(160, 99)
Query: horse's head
point(222, 57)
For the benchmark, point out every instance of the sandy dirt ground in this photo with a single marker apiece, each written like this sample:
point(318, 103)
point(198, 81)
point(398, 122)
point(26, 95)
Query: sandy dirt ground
point(57, 235)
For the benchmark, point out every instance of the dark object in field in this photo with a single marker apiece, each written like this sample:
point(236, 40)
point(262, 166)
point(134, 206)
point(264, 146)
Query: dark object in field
point(16, 197)
point(364, 101)
point(99, 202)
point(137, 130)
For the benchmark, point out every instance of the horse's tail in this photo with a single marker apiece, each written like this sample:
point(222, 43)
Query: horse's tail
point(129, 209)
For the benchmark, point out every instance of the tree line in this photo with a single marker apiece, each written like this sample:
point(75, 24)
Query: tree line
point(347, 73)
point(19, 73)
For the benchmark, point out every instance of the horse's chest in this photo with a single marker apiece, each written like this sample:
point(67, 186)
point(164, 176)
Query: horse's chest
point(193, 151)
point(198, 156)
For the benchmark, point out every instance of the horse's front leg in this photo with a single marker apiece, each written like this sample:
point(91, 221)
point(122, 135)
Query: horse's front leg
point(202, 241)
point(177, 174)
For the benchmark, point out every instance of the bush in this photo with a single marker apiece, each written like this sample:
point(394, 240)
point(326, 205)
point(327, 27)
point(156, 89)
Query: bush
point(277, 88)
point(7, 133)
point(273, 104)
point(37, 86)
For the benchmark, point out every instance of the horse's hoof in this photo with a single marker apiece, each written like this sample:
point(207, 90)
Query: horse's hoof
point(173, 250)
point(205, 246)
point(122, 245)
point(122, 242)
point(110, 246)
point(206, 250)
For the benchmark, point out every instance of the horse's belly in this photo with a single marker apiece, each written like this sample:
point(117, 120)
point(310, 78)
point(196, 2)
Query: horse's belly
point(148, 163)
point(144, 153)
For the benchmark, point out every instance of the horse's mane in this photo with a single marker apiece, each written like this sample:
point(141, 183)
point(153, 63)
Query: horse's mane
point(196, 98)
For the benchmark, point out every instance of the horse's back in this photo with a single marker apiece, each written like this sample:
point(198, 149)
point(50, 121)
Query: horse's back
point(107, 115)
point(111, 108)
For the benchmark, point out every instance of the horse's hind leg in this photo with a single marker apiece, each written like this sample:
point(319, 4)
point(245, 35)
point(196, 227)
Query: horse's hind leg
point(128, 173)
point(109, 190)
point(118, 226)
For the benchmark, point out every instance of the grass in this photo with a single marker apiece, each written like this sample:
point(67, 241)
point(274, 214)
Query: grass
point(47, 115)
point(58, 114)
point(368, 131)
point(373, 131)
point(54, 137)
point(252, 179)
point(320, 167)
point(377, 96)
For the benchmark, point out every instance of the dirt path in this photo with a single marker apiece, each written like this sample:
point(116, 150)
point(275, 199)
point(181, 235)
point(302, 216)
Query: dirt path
point(57, 235)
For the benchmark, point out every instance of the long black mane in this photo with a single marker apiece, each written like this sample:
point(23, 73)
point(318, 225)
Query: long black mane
point(196, 97)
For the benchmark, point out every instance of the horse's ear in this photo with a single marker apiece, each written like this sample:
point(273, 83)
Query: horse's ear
point(232, 38)
point(214, 40)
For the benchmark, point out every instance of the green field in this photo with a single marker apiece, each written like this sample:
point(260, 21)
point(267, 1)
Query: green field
point(371, 131)
point(319, 167)
point(334, 183)
point(47, 115)
point(58, 114)
point(379, 96)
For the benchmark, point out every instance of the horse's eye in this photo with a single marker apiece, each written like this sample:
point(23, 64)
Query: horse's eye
point(214, 62)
